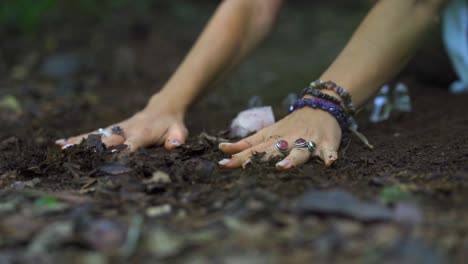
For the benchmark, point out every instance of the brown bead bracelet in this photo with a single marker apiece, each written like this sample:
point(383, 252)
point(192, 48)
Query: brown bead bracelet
point(316, 93)
point(329, 85)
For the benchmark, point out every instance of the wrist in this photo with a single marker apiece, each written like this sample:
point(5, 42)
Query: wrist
point(165, 103)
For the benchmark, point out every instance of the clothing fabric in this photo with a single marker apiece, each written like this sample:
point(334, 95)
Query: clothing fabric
point(455, 35)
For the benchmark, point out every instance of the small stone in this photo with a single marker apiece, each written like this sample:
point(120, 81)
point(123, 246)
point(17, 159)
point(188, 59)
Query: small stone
point(401, 98)
point(11, 103)
point(105, 235)
point(50, 237)
point(19, 73)
point(382, 107)
point(114, 169)
point(408, 214)
point(164, 244)
point(61, 66)
point(159, 177)
point(411, 250)
point(341, 203)
point(21, 185)
point(252, 120)
point(156, 211)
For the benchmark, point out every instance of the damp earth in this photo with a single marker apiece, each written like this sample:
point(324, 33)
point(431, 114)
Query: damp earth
point(402, 202)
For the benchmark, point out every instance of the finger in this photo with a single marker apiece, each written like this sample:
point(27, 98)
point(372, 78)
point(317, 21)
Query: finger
point(296, 157)
point(176, 136)
point(232, 148)
point(72, 140)
point(61, 142)
point(328, 154)
point(273, 151)
point(112, 140)
point(135, 142)
point(242, 158)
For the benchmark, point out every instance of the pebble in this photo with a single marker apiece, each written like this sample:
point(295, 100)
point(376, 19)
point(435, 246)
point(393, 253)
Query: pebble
point(105, 235)
point(158, 177)
point(408, 213)
point(156, 211)
point(114, 169)
point(61, 66)
point(341, 203)
point(252, 120)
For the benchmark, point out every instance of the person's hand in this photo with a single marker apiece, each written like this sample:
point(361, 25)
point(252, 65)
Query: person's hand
point(157, 124)
point(306, 123)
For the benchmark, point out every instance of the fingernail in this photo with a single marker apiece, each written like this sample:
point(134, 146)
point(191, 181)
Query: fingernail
point(224, 162)
point(68, 146)
point(175, 143)
point(246, 163)
point(283, 164)
point(222, 145)
point(60, 141)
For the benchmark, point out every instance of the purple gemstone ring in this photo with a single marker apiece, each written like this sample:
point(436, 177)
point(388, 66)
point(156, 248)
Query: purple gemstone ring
point(282, 146)
point(300, 143)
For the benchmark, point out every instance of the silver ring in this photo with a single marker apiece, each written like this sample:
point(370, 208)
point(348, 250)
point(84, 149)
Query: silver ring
point(104, 132)
point(311, 146)
point(282, 146)
point(117, 130)
point(300, 143)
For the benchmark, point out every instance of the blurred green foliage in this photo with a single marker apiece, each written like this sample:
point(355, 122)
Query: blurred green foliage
point(393, 194)
point(28, 15)
point(24, 14)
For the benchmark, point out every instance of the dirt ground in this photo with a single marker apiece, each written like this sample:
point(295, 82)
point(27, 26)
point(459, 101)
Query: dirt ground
point(403, 202)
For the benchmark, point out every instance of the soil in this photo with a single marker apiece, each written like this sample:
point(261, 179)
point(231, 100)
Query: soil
point(90, 204)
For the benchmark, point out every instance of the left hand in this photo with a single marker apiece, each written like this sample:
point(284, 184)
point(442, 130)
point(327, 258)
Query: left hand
point(307, 123)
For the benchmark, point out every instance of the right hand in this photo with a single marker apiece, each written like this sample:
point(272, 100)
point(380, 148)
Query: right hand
point(309, 124)
point(157, 124)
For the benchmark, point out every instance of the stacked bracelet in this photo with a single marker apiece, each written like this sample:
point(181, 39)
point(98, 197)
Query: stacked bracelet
point(316, 93)
point(333, 106)
point(337, 89)
point(335, 110)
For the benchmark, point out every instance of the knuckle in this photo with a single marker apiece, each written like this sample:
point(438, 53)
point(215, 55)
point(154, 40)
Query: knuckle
point(238, 156)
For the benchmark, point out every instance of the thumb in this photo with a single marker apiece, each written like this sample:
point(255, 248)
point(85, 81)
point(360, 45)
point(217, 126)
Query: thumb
point(176, 136)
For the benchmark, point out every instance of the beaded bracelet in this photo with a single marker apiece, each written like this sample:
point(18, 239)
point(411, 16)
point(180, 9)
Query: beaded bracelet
point(346, 122)
point(316, 93)
point(319, 84)
point(335, 110)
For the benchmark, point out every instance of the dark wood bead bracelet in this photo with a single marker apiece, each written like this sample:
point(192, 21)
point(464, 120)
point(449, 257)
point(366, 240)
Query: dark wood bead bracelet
point(316, 93)
point(329, 85)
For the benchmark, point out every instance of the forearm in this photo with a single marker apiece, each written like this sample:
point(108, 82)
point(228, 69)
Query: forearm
point(382, 45)
point(235, 29)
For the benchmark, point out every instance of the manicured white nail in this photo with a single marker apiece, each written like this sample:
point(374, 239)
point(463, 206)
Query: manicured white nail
point(283, 164)
point(224, 162)
point(60, 141)
point(246, 163)
point(68, 146)
point(222, 145)
point(175, 143)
